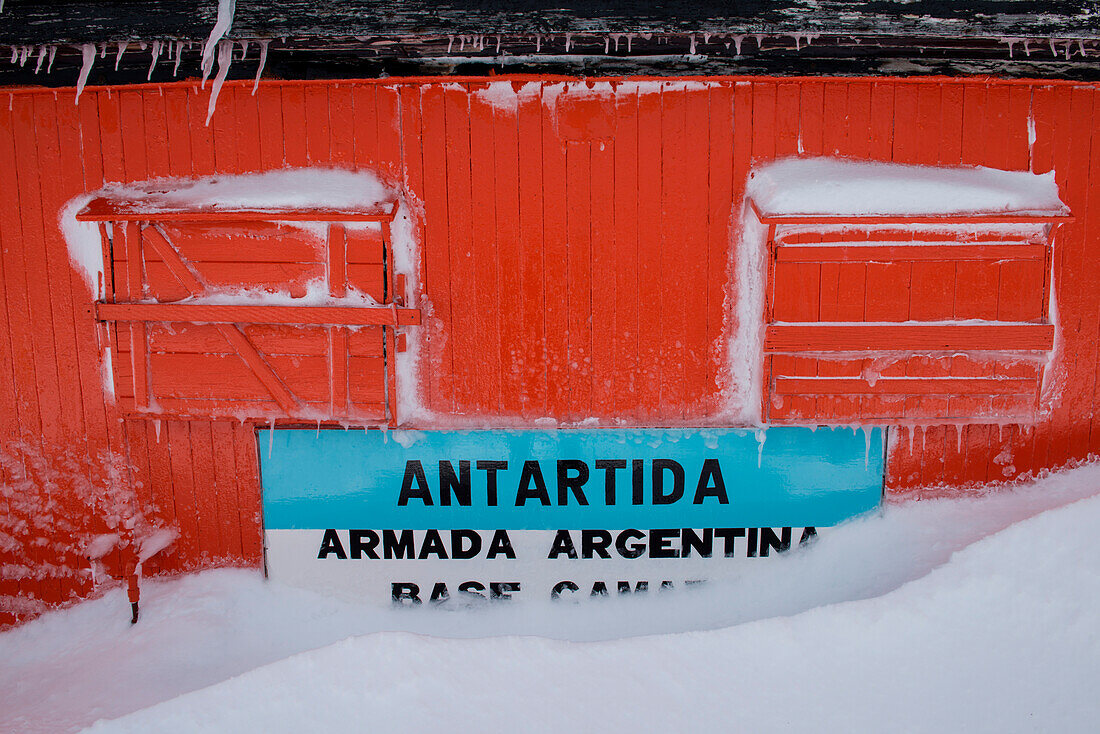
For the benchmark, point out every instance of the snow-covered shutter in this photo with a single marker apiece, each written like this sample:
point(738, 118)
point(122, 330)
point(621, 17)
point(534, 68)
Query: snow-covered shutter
point(266, 314)
point(902, 318)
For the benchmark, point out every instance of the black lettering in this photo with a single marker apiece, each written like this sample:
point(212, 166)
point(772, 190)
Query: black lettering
point(532, 472)
point(689, 541)
point(660, 543)
point(500, 543)
point(439, 593)
point(666, 586)
point(491, 468)
point(563, 543)
point(448, 483)
point(609, 467)
point(808, 535)
point(728, 536)
point(599, 589)
point(567, 483)
point(636, 478)
point(363, 541)
point(331, 544)
point(753, 533)
point(392, 547)
point(414, 470)
point(630, 551)
point(432, 544)
point(595, 542)
point(473, 588)
point(769, 541)
point(711, 484)
point(400, 593)
point(561, 586)
point(659, 468)
point(502, 589)
point(640, 587)
point(457, 549)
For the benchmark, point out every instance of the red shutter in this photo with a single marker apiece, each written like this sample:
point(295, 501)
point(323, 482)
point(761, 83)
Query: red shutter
point(178, 351)
point(872, 319)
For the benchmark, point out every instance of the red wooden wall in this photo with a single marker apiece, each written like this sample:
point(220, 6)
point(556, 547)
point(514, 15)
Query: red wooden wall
point(575, 250)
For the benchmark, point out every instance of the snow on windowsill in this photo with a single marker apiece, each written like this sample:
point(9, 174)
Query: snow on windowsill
point(837, 186)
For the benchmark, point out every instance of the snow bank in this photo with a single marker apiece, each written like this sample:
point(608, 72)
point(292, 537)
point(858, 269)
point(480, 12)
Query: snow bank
point(836, 186)
point(908, 617)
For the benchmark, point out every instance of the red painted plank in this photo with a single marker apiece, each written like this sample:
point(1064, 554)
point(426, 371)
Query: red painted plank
point(205, 485)
point(534, 378)
point(903, 386)
point(440, 369)
point(723, 160)
point(791, 338)
point(603, 324)
point(463, 271)
point(269, 100)
point(909, 253)
point(295, 151)
point(693, 246)
point(228, 314)
point(512, 357)
point(225, 487)
point(318, 148)
point(486, 312)
point(248, 128)
point(577, 359)
point(650, 271)
point(248, 491)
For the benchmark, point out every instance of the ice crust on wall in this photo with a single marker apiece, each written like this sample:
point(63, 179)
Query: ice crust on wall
point(839, 186)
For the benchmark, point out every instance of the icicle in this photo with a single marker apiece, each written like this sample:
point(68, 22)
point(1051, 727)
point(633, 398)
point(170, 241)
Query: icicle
point(923, 438)
point(153, 63)
point(759, 41)
point(225, 58)
point(1069, 46)
point(88, 51)
point(801, 148)
point(958, 438)
point(706, 38)
point(606, 45)
point(450, 43)
point(41, 58)
point(260, 68)
point(318, 434)
point(226, 9)
point(1053, 48)
point(761, 437)
point(866, 446)
point(691, 49)
point(103, 50)
point(498, 45)
point(121, 50)
point(797, 42)
point(156, 429)
point(244, 50)
point(737, 44)
point(538, 44)
point(1011, 42)
point(179, 55)
point(629, 41)
point(24, 54)
point(568, 41)
point(49, 61)
point(1027, 47)
point(461, 44)
point(14, 54)
point(270, 436)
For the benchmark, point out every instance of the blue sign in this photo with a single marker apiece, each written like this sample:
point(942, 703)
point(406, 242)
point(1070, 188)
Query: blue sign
point(571, 479)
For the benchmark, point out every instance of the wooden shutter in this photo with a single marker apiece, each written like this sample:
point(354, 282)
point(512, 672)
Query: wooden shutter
point(186, 343)
point(887, 319)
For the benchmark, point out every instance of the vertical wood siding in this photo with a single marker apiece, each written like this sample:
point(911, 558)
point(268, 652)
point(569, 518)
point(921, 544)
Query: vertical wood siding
point(575, 249)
